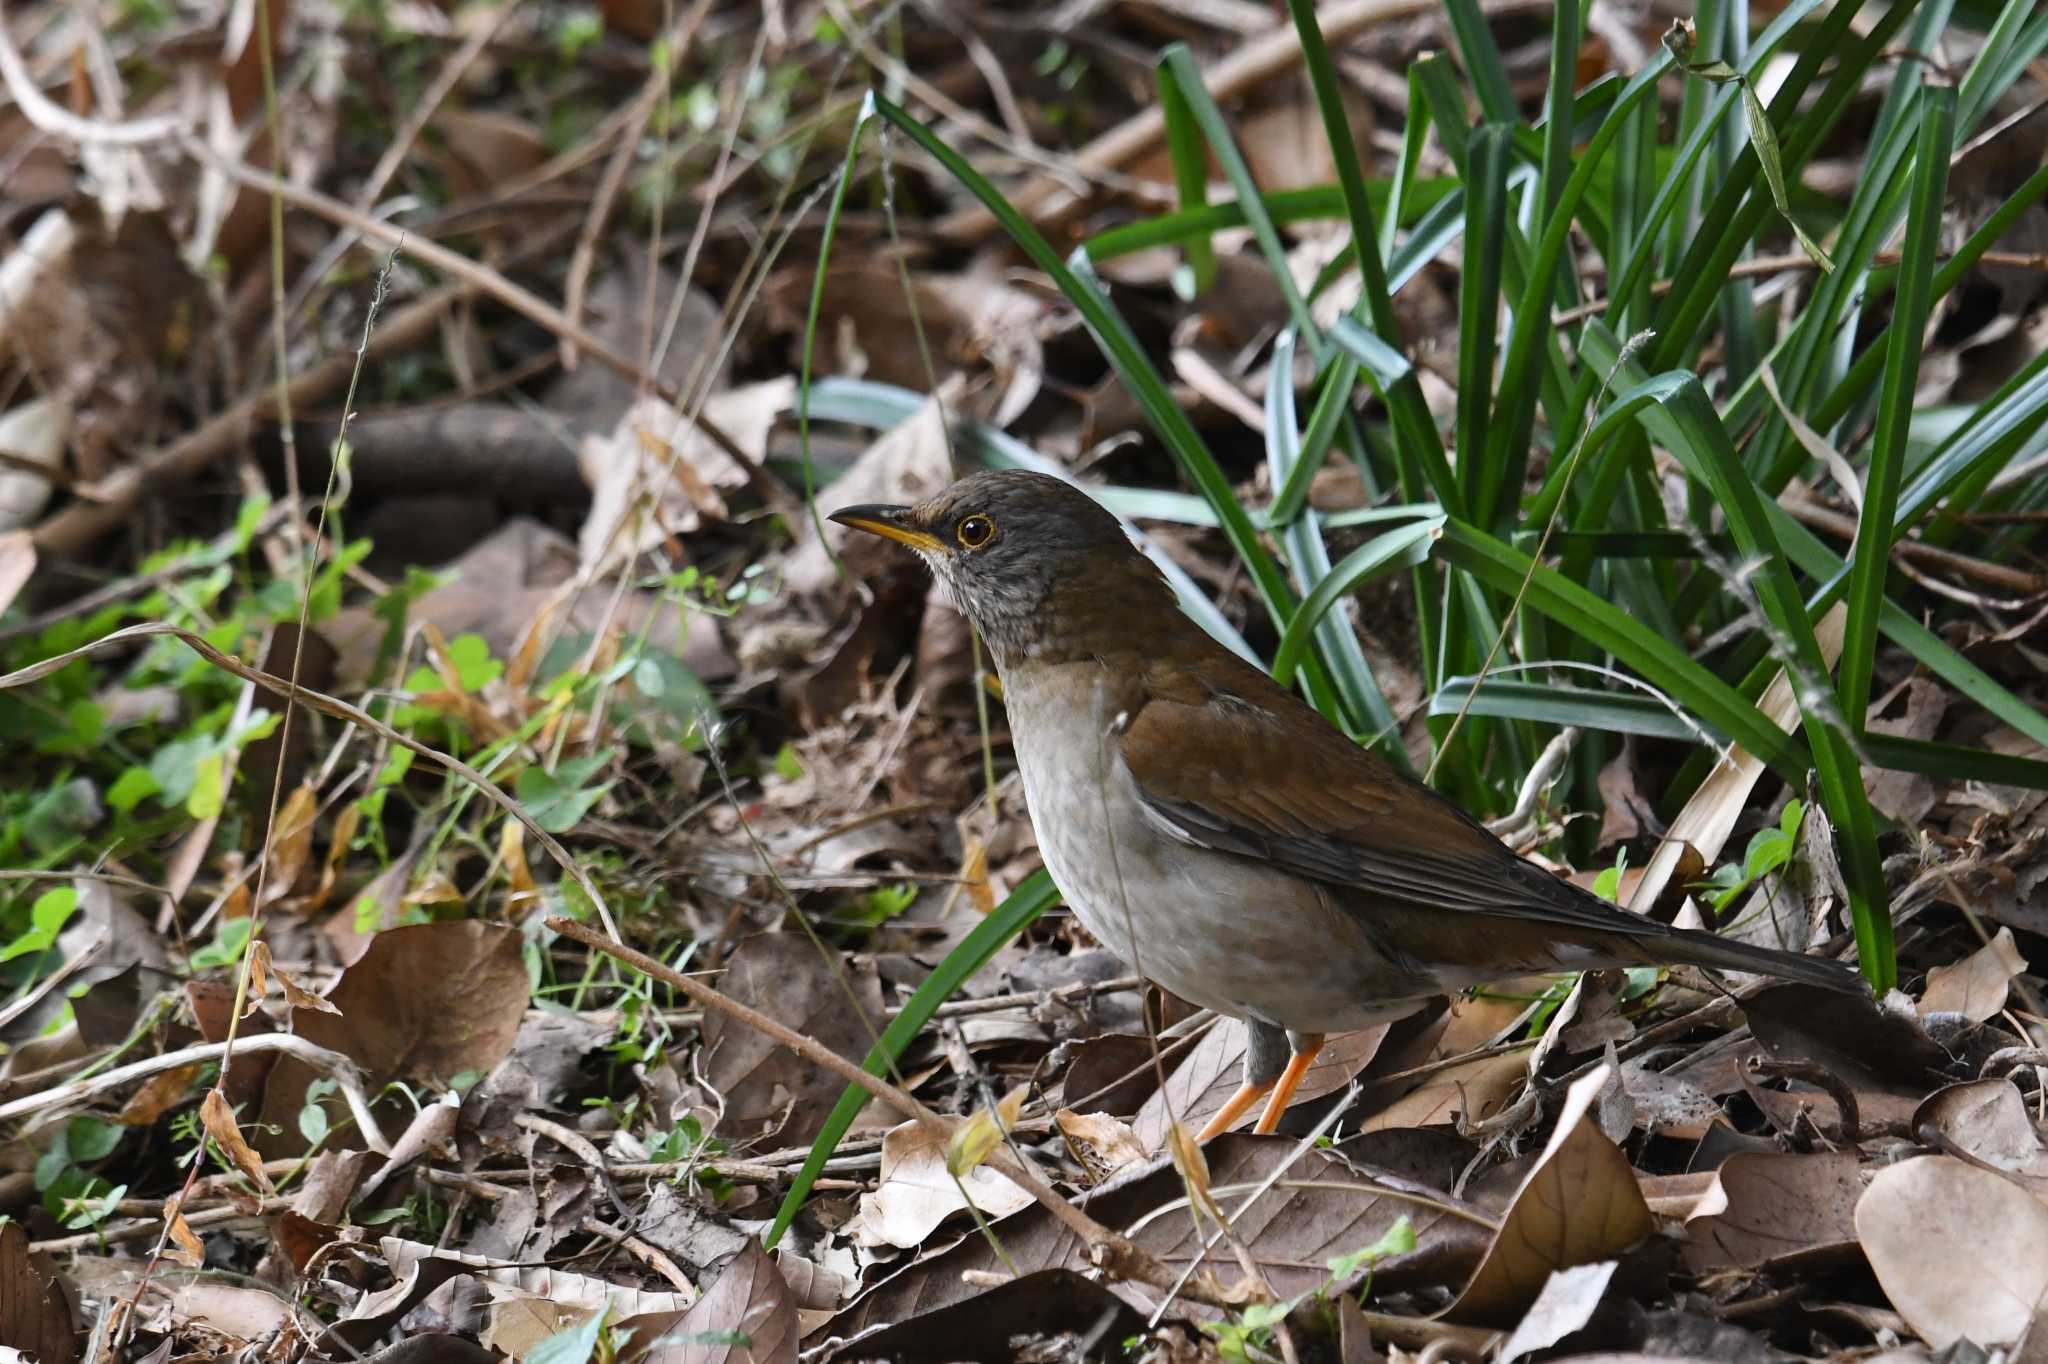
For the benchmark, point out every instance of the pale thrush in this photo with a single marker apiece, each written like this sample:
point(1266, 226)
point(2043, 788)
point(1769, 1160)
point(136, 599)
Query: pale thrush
point(1221, 835)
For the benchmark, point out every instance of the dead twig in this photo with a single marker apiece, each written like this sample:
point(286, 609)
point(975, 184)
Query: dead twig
point(1113, 1254)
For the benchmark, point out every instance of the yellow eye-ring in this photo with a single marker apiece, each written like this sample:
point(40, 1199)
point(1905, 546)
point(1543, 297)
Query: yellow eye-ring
point(975, 531)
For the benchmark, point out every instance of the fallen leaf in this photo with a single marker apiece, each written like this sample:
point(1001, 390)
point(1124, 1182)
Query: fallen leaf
point(1102, 1144)
point(1986, 1122)
point(35, 1303)
point(1961, 1252)
point(907, 463)
point(1975, 987)
point(424, 1003)
point(1580, 1203)
point(1566, 1304)
point(181, 1245)
point(656, 473)
point(917, 1192)
point(1320, 1208)
point(35, 432)
point(1050, 1304)
point(17, 565)
point(746, 1316)
point(1473, 1090)
point(1765, 1208)
point(770, 1092)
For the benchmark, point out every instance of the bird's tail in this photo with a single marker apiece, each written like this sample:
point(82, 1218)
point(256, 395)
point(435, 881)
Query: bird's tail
point(1687, 947)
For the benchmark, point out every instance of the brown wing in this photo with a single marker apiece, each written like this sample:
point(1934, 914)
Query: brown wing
point(1276, 782)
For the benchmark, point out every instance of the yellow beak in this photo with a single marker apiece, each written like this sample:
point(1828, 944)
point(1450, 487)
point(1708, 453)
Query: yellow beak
point(891, 523)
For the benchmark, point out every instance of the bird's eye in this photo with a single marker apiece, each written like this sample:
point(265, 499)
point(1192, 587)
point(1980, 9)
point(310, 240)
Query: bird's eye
point(975, 531)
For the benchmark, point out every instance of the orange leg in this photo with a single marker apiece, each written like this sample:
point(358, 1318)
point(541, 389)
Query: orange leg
point(1247, 1095)
point(1290, 1080)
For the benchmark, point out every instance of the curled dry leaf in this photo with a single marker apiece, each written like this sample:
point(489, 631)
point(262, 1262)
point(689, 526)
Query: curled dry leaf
point(1961, 1252)
point(17, 565)
point(1986, 1122)
point(1975, 987)
point(181, 1244)
point(657, 473)
point(917, 1192)
point(1765, 1208)
point(982, 1132)
point(291, 842)
point(219, 1121)
point(1579, 1204)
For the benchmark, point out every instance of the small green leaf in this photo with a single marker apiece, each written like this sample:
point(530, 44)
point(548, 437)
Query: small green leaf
point(474, 666)
point(1398, 1239)
point(209, 786)
point(788, 765)
point(91, 1138)
point(131, 788)
point(46, 919)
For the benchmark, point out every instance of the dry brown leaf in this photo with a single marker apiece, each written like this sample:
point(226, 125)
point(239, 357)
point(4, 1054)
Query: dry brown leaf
point(917, 1192)
point(299, 997)
point(220, 1125)
point(1961, 1252)
point(1567, 1302)
point(484, 149)
point(1102, 1144)
point(35, 431)
point(745, 1317)
point(330, 868)
point(35, 1303)
point(1579, 1204)
point(656, 474)
point(158, 1095)
point(770, 1092)
point(259, 975)
point(1975, 987)
point(1986, 1121)
point(17, 565)
point(1766, 1207)
point(518, 876)
point(181, 1245)
point(1475, 1089)
point(291, 842)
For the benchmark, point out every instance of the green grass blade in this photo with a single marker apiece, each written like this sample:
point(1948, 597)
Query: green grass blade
point(1914, 296)
point(1483, 64)
point(1486, 226)
point(1365, 709)
point(1209, 118)
point(1665, 666)
point(1403, 548)
point(1190, 173)
point(1688, 425)
point(1009, 918)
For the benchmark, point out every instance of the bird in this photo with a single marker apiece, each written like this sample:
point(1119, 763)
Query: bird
point(1222, 836)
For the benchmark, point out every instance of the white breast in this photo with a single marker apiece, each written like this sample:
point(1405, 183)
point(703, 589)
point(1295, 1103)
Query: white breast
point(1219, 931)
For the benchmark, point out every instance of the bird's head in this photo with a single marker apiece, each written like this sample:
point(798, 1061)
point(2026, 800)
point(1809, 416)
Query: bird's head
point(1034, 562)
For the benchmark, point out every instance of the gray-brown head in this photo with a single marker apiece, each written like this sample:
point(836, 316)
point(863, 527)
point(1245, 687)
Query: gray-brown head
point(1039, 566)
